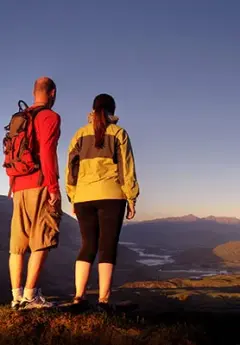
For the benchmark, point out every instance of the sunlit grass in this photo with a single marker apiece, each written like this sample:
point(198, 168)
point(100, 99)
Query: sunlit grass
point(54, 327)
point(148, 326)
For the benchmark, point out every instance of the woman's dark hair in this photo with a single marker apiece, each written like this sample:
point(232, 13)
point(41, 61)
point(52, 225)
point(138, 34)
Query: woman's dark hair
point(103, 105)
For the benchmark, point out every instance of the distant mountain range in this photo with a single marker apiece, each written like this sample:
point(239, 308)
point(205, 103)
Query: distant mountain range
point(194, 243)
point(183, 233)
point(192, 218)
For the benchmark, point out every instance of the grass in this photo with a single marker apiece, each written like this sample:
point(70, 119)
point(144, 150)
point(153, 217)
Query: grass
point(176, 312)
point(55, 327)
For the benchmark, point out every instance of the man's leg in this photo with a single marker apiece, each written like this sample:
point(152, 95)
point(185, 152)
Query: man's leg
point(19, 241)
point(35, 264)
point(16, 270)
point(43, 235)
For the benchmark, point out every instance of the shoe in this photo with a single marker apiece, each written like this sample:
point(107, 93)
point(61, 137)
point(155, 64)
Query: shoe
point(15, 305)
point(78, 300)
point(81, 303)
point(37, 302)
point(105, 307)
point(17, 297)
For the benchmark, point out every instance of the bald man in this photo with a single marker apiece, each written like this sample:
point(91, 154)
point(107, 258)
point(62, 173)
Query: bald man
point(36, 203)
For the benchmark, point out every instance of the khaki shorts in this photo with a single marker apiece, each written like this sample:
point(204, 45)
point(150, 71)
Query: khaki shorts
point(32, 226)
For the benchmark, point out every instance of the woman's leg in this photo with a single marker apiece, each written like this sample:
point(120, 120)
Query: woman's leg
point(88, 221)
point(105, 281)
point(110, 215)
point(82, 273)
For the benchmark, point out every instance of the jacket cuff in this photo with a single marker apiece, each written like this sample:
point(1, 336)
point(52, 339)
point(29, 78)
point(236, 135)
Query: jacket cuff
point(54, 188)
point(131, 201)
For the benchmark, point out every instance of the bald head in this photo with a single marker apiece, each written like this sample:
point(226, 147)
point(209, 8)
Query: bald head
point(44, 84)
point(44, 91)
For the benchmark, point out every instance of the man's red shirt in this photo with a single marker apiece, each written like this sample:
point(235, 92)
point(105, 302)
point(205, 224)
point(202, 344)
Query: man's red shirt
point(47, 128)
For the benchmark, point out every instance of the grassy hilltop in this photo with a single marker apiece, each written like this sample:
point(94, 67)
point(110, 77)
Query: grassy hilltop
point(174, 312)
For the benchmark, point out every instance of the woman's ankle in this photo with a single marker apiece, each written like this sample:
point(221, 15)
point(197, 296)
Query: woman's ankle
point(103, 300)
point(83, 297)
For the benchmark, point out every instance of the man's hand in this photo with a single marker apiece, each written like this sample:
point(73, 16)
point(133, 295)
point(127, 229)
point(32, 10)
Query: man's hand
point(55, 198)
point(131, 211)
point(54, 202)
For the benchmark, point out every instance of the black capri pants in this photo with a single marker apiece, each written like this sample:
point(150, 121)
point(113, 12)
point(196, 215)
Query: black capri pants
point(100, 224)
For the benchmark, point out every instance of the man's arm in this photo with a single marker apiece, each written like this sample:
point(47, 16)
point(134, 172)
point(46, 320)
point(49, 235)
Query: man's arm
point(48, 126)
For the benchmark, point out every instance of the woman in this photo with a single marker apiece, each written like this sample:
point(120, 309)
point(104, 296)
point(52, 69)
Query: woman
point(100, 181)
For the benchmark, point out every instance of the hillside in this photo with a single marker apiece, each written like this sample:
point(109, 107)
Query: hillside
point(229, 253)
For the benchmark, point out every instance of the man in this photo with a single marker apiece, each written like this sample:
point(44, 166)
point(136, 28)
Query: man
point(36, 197)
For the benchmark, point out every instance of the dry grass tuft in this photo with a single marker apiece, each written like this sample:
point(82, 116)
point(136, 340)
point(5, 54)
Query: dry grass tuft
point(49, 327)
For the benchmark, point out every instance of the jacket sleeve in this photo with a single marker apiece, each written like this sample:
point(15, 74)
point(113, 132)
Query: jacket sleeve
point(126, 167)
point(49, 133)
point(72, 168)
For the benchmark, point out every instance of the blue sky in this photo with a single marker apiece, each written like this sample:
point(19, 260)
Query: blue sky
point(173, 67)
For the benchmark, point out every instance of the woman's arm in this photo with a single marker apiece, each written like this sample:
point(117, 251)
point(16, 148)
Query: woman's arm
point(126, 167)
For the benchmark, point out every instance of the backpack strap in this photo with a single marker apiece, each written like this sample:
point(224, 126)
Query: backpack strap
point(34, 112)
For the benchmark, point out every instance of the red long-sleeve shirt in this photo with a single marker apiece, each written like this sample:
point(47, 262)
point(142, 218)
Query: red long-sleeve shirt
point(47, 128)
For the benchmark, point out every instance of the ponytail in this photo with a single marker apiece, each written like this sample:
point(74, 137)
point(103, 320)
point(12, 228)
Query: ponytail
point(100, 126)
point(103, 105)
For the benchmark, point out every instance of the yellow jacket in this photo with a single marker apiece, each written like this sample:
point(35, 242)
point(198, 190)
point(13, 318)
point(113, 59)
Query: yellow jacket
point(97, 174)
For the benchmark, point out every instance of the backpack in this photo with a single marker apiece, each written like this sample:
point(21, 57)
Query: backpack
point(18, 143)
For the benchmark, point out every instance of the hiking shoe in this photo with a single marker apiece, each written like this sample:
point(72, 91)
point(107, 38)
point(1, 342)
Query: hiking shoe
point(15, 305)
point(37, 302)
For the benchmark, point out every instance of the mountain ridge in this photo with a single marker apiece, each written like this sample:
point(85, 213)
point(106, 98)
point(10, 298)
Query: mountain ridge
point(192, 218)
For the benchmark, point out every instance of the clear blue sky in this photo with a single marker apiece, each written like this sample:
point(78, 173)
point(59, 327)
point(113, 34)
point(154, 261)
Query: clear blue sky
point(173, 67)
